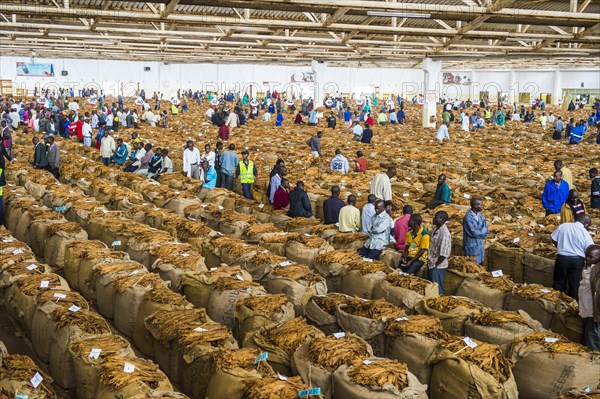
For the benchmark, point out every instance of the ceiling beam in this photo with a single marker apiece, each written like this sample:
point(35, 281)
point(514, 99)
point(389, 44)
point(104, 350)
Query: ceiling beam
point(340, 12)
point(169, 8)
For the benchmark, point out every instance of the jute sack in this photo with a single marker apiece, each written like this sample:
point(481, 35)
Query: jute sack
point(296, 251)
point(225, 294)
point(10, 273)
point(391, 257)
point(333, 266)
point(74, 252)
point(158, 298)
point(317, 360)
point(459, 374)
point(85, 368)
point(198, 285)
point(103, 278)
point(412, 341)
point(453, 280)
point(279, 219)
point(37, 235)
point(58, 235)
point(14, 208)
point(114, 382)
point(254, 232)
point(89, 262)
point(275, 243)
point(36, 190)
point(405, 291)
point(297, 282)
point(490, 291)
point(281, 341)
point(157, 394)
point(263, 311)
point(545, 369)
point(320, 311)
point(509, 260)
point(178, 204)
point(260, 265)
point(352, 241)
point(172, 268)
point(139, 246)
point(501, 327)
point(538, 270)
point(540, 302)
point(355, 283)
point(569, 324)
point(12, 383)
point(129, 297)
point(71, 327)
point(345, 387)
point(452, 311)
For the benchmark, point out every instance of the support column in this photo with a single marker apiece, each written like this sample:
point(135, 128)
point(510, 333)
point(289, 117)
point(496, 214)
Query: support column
point(474, 88)
point(513, 88)
point(431, 86)
point(319, 69)
point(557, 87)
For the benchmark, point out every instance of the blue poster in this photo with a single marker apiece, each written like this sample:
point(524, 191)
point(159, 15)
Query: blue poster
point(30, 69)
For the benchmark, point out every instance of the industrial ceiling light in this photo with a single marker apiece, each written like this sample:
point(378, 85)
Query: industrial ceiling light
point(397, 14)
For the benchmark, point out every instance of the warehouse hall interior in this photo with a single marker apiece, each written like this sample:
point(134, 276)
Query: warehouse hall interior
point(280, 199)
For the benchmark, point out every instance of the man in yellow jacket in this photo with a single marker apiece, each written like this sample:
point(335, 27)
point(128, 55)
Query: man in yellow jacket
point(247, 173)
point(572, 208)
point(566, 172)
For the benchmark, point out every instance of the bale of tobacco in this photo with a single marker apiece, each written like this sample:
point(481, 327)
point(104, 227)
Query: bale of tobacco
point(172, 261)
point(412, 340)
point(87, 356)
point(320, 311)
point(460, 268)
point(282, 340)
point(405, 290)
point(540, 302)
point(226, 291)
point(255, 312)
point(368, 319)
point(546, 364)
point(465, 367)
point(125, 377)
point(363, 276)
point(487, 289)
point(16, 374)
point(260, 265)
point(317, 360)
point(377, 378)
point(305, 248)
point(297, 282)
point(333, 266)
point(501, 327)
point(198, 285)
point(279, 387)
point(453, 311)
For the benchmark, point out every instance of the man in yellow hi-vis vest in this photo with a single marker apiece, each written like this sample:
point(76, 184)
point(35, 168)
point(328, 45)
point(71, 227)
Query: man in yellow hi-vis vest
point(246, 172)
point(3, 154)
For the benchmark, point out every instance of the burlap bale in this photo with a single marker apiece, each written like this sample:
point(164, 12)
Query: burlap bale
point(544, 369)
point(333, 266)
point(317, 375)
point(36, 235)
point(391, 257)
point(539, 307)
point(475, 288)
point(254, 313)
point(103, 279)
point(36, 190)
point(490, 327)
point(344, 387)
point(221, 303)
point(172, 268)
point(537, 269)
point(12, 382)
point(85, 368)
point(280, 220)
point(87, 265)
point(406, 298)
point(298, 289)
point(454, 279)
point(197, 285)
point(298, 252)
point(139, 247)
point(363, 286)
point(74, 252)
point(10, 273)
point(509, 260)
point(57, 238)
point(178, 204)
point(323, 316)
point(453, 376)
point(456, 311)
point(353, 241)
point(262, 264)
point(569, 324)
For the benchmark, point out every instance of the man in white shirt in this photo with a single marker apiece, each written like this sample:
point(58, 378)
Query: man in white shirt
point(276, 182)
point(107, 147)
point(368, 213)
point(209, 113)
point(149, 118)
point(358, 131)
point(86, 131)
point(208, 155)
point(465, 122)
point(381, 186)
point(339, 163)
point(191, 160)
point(267, 117)
point(233, 120)
point(442, 133)
point(571, 241)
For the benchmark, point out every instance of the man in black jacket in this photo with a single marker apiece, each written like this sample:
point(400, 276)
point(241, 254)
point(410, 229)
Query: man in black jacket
point(4, 154)
point(332, 206)
point(299, 202)
point(40, 159)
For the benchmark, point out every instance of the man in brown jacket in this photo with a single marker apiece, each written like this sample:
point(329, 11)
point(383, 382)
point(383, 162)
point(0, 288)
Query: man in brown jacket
point(589, 298)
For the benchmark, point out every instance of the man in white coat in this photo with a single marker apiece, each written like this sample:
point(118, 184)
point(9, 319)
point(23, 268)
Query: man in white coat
point(443, 133)
point(191, 160)
point(107, 147)
point(465, 122)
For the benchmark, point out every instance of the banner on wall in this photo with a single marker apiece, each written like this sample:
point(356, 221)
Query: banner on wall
point(31, 69)
point(456, 78)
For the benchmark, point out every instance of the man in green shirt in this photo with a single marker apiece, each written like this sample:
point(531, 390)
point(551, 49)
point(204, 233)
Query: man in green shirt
point(442, 194)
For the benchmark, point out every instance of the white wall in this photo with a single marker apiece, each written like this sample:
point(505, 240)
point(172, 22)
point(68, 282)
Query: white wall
point(169, 77)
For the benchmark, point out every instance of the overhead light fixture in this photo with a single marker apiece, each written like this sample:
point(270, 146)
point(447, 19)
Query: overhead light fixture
point(397, 14)
point(516, 39)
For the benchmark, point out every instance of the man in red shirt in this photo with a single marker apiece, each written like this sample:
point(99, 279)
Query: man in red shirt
point(401, 227)
point(370, 121)
point(281, 198)
point(360, 162)
point(224, 132)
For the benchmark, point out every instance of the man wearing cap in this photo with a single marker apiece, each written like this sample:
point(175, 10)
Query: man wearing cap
point(191, 160)
point(246, 172)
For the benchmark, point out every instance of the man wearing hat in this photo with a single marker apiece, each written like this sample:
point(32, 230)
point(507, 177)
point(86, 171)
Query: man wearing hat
point(246, 172)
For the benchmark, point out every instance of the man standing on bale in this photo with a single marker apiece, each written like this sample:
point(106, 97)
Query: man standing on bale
point(556, 192)
point(439, 250)
point(443, 194)
point(379, 233)
point(381, 186)
point(571, 241)
point(246, 172)
point(332, 206)
point(475, 229)
point(315, 144)
point(349, 220)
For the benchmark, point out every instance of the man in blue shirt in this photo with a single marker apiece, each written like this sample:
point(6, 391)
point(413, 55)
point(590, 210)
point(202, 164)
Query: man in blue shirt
point(229, 161)
point(556, 192)
point(210, 175)
point(577, 133)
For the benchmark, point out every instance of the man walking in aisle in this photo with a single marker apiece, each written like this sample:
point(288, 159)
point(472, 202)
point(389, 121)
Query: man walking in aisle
point(246, 172)
point(595, 195)
point(229, 162)
point(475, 229)
point(440, 246)
point(556, 192)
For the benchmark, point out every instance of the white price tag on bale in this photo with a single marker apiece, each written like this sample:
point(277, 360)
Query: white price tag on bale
point(339, 335)
point(17, 251)
point(367, 362)
point(212, 269)
point(185, 255)
point(60, 296)
point(221, 207)
point(31, 267)
point(402, 319)
point(488, 198)
point(285, 263)
point(467, 196)
point(551, 340)
point(239, 277)
point(541, 226)
point(367, 260)
point(545, 291)
point(7, 240)
point(405, 195)
point(95, 353)
point(36, 380)
point(74, 308)
point(135, 272)
point(200, 329)
point(116, 244)
point(261, 206)
point(516, 240)
point(497, 273)
point(128, 368)
point(104, 211)
point(469, 342)
point(282, 377)
point(44, 284)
